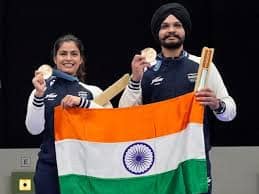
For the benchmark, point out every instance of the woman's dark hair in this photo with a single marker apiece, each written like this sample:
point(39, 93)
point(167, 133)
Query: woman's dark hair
point(67, 38)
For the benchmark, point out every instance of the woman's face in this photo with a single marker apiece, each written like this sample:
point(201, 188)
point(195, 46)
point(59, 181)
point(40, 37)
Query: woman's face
point(68, 58)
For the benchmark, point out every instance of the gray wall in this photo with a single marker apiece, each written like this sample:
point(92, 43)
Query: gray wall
point(235, 169)
point(13, 160)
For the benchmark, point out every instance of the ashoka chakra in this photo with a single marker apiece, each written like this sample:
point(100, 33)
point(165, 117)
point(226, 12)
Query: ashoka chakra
point(138, 158)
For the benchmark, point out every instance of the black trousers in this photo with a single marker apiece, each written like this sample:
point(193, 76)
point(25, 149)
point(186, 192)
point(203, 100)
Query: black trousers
point(46, 178)
point(209, 174)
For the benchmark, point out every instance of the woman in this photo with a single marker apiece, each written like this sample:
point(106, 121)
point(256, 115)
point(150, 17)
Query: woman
point(68, 56)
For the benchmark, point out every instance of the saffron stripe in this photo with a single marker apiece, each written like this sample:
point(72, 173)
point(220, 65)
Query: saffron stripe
point(128, 124)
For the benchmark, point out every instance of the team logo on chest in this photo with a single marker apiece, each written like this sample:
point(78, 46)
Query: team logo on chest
point(157, 81)
point(192, 77)
point(51, 96)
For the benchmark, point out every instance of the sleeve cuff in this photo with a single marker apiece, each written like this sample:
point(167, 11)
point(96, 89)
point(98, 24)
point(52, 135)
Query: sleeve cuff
point(84, 103)
point(134, 85)
point(38, 101)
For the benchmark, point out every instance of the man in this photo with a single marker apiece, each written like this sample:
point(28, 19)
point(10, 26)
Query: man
point(175, 72)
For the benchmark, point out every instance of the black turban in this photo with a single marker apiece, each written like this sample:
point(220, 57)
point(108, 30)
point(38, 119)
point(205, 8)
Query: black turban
point(176, 9)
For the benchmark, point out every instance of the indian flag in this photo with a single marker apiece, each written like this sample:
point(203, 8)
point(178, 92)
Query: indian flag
point(149, 149)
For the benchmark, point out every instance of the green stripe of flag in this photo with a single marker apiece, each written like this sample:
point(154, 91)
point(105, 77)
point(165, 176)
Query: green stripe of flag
point(188, 178)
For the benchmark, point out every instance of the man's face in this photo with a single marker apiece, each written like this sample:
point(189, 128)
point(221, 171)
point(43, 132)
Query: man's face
point(171, 34)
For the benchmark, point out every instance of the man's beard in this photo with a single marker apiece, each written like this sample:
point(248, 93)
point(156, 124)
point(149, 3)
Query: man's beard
point(172, 45)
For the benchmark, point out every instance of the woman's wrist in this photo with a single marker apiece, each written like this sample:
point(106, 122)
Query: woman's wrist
point(38, 94)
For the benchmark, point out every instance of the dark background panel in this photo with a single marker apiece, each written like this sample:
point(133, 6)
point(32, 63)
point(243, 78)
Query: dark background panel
point(2, 115)
point(235, 38)
point(112, 33)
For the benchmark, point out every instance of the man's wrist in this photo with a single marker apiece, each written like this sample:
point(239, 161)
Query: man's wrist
point(221, 108)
